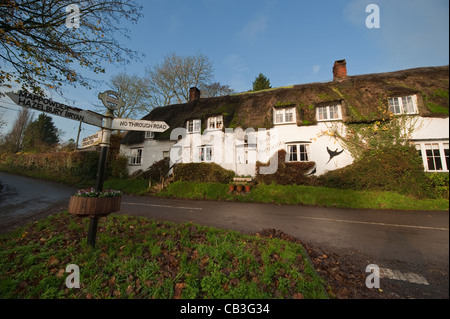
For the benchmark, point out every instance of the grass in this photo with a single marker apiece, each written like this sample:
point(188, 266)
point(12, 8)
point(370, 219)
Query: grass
point(140, 258)
point(305, 195)
point(128, 186)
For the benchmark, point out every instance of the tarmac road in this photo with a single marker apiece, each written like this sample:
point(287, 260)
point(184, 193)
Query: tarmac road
point(411, 248)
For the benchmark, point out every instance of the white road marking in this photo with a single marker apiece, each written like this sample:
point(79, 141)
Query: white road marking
point(372, 223)
point(397, 275)
point(163, 206)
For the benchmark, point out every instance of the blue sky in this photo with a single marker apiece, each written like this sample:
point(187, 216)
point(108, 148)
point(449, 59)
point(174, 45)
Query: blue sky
point(289, 41)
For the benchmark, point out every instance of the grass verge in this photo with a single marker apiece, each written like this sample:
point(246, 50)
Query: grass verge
point(304, 195)
point(140, 258)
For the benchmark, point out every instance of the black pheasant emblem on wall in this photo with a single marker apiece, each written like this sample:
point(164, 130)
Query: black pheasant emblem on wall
point(333, 153)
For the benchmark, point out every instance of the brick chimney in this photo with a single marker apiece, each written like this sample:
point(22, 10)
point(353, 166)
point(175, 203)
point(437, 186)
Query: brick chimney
point(339, 70)
point(194, 94)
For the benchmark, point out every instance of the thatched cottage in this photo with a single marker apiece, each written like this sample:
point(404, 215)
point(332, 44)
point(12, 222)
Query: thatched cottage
point(238, 130)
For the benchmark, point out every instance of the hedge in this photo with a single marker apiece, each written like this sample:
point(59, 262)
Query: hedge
point(202, 173)
point(287, 173)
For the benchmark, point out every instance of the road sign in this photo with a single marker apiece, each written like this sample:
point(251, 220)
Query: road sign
point(139, 125)
point(111, 100)
point(39, 103)
point(92, 140)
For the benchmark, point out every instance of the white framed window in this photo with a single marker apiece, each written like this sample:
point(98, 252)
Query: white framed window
point(215, 123)
point(193, 126)
point(205, 153)
point(149, 135)
point(297, 152)
point(435, 155)
point(284, 116)
point(403, 105)
point(136, 156)
point(329, 113)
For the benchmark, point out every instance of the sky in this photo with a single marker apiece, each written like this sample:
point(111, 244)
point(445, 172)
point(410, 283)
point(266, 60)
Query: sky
point(289, 41)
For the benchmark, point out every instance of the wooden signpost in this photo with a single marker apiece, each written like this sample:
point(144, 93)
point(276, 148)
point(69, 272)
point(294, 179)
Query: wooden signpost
point(112, 101)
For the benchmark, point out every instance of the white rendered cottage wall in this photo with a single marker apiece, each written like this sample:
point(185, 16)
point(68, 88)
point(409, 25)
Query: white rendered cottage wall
point(239, 150)
point(152, 151)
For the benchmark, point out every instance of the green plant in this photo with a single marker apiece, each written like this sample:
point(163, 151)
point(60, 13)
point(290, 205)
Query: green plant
point(202, 172)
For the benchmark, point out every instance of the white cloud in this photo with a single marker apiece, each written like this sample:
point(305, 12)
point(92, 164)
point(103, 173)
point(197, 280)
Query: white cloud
point(316, 69)
point(253, 28)
point(237, 69)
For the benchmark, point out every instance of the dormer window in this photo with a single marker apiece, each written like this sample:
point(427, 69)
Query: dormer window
point(149, 135)
point(403, 105)
point(193, 126)
point(215, 123)
point(329, 113)
point(284, 116)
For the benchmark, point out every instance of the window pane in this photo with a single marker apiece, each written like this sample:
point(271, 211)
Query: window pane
point(219, 122)
point(322, 113)
point(394, 106)
point(446, 154)
point(292, 153)
point(332, 112)
point(433, 157)
point(408, 106)
point(279, 116)
point(289, 115)
point(196, 125)
point(303, 152)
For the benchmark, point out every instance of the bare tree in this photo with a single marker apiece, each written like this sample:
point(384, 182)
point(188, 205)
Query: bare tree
point(132, 89)
point(13, 141)
point(169, 82)
point(42, 42)
point(215, 89)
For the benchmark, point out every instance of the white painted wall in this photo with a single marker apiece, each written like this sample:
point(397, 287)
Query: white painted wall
point(231, 153)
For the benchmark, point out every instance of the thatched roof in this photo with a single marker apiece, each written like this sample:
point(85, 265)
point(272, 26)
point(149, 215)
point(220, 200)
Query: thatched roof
point(364, 98)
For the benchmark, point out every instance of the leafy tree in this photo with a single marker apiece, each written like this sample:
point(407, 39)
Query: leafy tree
point(41, 43)
point(41, 135)
point(261, 83)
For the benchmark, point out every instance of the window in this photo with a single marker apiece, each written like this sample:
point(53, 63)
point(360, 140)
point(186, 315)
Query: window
point(284, 116)
point(136, 156)
point(215, 123)
point(297, 152)
point(193, 126)
point(329, 113)
point(205, 154)
point(403, 105)
point(149, 134)
point(435, 155)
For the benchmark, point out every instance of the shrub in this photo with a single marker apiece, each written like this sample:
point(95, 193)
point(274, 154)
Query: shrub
point(202, 173)
point(395, 168)
point(439, 183)
point(154, 172)
point(287, 173)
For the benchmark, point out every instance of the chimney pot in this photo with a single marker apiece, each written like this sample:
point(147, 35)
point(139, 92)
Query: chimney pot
point(194, 94)
point(339, 70)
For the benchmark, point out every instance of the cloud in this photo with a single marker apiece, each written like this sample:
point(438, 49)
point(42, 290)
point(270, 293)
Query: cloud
point(238, 70)
point(316, 69)
point(253, 28)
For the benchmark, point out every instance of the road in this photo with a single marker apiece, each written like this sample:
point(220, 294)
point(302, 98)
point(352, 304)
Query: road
point(410, 247)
